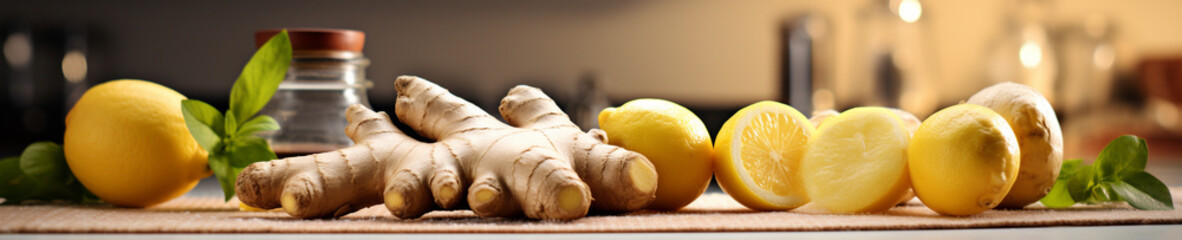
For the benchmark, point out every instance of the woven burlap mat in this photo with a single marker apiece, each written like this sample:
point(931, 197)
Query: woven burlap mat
point(711, 212)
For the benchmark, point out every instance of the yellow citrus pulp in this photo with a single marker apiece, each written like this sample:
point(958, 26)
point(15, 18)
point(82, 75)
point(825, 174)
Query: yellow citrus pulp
point(857, 161)
point(758, 156)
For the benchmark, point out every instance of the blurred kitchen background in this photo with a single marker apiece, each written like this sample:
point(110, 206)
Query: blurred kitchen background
point(1108, 67)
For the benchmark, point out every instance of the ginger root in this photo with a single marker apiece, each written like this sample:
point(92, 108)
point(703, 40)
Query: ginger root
point(540, 164)
point(1040, 139)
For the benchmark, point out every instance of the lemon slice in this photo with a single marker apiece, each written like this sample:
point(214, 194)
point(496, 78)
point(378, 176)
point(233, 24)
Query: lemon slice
point(857, 161)
point(758, 152)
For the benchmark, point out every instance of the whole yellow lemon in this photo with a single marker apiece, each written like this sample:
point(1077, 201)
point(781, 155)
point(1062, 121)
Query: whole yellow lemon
point(127, 142)
point(963, 160)
point(672, 138)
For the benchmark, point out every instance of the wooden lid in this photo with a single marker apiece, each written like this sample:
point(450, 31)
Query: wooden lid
point(317, 39)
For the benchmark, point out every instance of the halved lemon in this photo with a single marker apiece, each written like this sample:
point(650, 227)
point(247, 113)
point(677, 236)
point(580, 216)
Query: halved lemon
point(758, 153)
point(857, 161)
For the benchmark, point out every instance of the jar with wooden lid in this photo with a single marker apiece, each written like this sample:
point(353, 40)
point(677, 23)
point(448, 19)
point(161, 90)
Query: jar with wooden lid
point(327, 75)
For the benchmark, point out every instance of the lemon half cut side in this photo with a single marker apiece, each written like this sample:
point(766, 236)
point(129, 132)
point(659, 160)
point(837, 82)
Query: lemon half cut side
point(857, 161)
point(759, 151)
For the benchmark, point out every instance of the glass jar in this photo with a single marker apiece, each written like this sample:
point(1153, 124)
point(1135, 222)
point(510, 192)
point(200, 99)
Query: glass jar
point(327, 75)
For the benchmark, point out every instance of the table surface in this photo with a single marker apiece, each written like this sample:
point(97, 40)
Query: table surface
point(1168, 170)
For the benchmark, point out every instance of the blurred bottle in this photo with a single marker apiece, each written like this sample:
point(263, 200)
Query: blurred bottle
point(18, 54)
point(44, 71)
point(588, 102)
point(327, 75)
point(1088, 57)
point(75, 64)
point(18, 89)
point(805, 64)
point(1024, 53)
point(895, 69)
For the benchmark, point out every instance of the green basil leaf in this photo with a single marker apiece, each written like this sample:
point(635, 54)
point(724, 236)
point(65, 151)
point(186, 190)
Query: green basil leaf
point(45, 162)
point(234, 171)
point(1069, 168)
point(1143, 191)
point(51, 177)
point(199, 116)
point(22, 189)
point(1059, 197)
point(14, 185)
point(10, 170)
point(225, 174)
point(55, 190)
point(1080, 185)
point(204, 114)
point(1124, 155)
point(260, 123)
point(261, 77)
point(231, 124)
point(81, 194)
point(1103, 193)
point(249, 149)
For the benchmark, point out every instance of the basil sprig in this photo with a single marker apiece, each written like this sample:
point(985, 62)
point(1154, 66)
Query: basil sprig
point(230, 139)
point(1117, 175)
point(41, 173)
